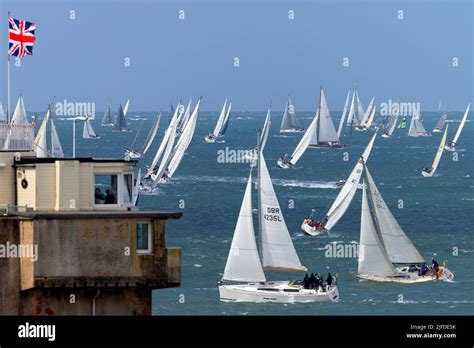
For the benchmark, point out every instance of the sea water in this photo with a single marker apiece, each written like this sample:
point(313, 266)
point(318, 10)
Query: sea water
point(435, 213)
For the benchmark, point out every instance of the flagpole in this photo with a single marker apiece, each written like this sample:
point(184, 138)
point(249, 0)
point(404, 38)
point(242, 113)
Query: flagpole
point(8, 81)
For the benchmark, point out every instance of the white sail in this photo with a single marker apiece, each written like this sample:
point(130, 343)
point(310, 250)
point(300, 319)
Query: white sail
point(243, 263)
point(392, 125)
point(304, 142)
point(151, 134)
point(367, 113)
point(19, 116)
point(183, 141)
point(344, 112)
point(136, 190)
point(399, 248)
point(187, 113)
point(88, 132)
point(351, 120)
point(56, 148)
point(163, 144)
point(226, 120)
point(40, 144)
point(292, 114)
point(439, 153)
point(360, 110)
point(345, 196)
point(373, 259)
point(371, 118)
point(165, 160)
point(3, 115)
point(285, 121)
point(416, 126)
point(461, 126)
point(278, 251)
point(325, 130)
point(266, 128)
point(220, 120)
point(107, 120)
point(125, 109)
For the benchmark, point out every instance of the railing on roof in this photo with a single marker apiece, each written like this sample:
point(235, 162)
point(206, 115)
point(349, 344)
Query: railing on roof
point(17, 136)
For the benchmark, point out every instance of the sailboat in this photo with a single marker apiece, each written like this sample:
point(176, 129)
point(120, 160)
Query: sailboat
point(244, 278)
point(171, 155)
point(120, 124)
point(343, 199)
point(226, 120)
point(108, 120)
point(134, 153)
point(286, 162)
point(88, 132)
point(392, 124)
point(185, 118)
point(253, 155)
point(289, 124)
point(40, 145)
point(324, 135)
point(19, 116)
point(438, 128)
point(386, 254)
point(403, 122)
point(356, 112)
point(429, 172)
point(343, 117)
point(416, 127)
point(221, 122)
point(452, 144)
point(125, 108)
point(363, 123)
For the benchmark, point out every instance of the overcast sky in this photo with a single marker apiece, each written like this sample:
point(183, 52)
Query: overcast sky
point(83, 59)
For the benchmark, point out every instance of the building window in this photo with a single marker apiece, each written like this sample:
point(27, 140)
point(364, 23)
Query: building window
point(127, 188)
point(105, 189)
point(144, 238)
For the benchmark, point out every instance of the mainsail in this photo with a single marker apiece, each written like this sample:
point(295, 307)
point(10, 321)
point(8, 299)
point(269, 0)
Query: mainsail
point(151, 135)
point(107, 120)
point(243, 263)
point(367, 113)
point(266, 128)
point(325, 131)
point(19, 116)
point(183, 142)
point(345, 196)
point(351, 119)
point(441, 122)
point(56, 148)
point(88, 132)
point(167, 155)
point(399, 248)
point(278, 251)
point(40, 144)
point(226, 120)
point(439, 153)
point(125, 109)
point(371, 118)
point(373, 258)
point(391, 125)
point(220, 120)
point(416, 126)
point(304, 142)
point(120, 121)
point(289, 117)
point(461, 126)
point(344, 112)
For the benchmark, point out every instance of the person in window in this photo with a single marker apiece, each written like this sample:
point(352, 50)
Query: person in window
point(99, 196)
point(110, 197)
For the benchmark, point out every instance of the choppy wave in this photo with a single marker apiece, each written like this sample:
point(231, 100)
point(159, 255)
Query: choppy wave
point(276, 182)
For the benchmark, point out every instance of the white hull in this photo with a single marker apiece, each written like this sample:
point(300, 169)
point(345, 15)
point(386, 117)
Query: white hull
point(282, 164)
point(386, 136)
point(436, 130)
point(209, 140)
point(326, 146)
point(276, 292)
point(450, 148)
point(427, 174)
point(409, 278)
point(132, 154)
point(292, 130)
point(309, 230)
point(420, 135)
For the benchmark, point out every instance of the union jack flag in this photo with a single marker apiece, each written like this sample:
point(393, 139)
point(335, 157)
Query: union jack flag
point(22, 37)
